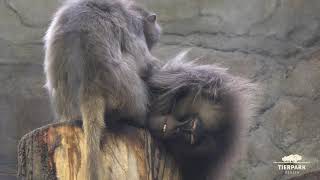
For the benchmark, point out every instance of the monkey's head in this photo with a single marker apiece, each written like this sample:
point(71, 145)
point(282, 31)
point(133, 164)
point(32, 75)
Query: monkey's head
point(151, 28)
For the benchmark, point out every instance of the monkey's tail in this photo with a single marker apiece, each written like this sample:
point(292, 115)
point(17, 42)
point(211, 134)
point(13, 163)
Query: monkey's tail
point(92, 109)
point(94, 155)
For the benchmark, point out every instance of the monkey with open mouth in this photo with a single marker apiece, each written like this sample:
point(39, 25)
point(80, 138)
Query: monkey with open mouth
point(200, 112)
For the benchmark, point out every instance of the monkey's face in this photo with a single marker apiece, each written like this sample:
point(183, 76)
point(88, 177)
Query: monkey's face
point(151, 30)
point(195, 125)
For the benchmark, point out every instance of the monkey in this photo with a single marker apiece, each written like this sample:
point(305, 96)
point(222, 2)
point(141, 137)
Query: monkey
point(200, 112)
point(97, 55)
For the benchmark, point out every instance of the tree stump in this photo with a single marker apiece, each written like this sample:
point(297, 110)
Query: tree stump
point(56, 151)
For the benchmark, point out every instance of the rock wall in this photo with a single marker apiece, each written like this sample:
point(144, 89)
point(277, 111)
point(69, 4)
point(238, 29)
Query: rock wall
point(275, 43)
point(23, 102)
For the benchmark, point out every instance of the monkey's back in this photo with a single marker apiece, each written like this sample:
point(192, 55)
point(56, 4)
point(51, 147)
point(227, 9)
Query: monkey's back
point(85, 49)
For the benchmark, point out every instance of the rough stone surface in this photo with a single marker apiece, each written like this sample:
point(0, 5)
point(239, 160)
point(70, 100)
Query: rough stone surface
point(276, 43)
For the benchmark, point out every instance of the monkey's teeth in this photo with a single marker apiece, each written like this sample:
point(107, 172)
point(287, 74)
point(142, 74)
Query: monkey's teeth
point(164, 129)
point(192, 139)
point(194, 125)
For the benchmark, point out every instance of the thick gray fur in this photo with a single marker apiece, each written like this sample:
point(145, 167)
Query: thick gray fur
point(224, 103)
point(96, 56)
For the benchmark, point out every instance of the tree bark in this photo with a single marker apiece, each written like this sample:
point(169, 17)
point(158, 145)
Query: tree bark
point(57, 151)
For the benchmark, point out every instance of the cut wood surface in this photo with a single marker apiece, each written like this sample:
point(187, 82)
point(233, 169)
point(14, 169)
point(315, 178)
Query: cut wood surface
point(57, 151)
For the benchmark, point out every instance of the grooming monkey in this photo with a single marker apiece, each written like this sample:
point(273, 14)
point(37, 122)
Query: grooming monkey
point(200, 112)
point(96, 57)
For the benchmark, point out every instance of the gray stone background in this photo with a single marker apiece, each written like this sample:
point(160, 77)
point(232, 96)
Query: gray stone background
point(273, 42)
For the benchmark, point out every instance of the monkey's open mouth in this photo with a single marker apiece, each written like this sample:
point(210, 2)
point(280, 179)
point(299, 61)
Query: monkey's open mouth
point(193, 128)
point(191, 132)
point(188, 131)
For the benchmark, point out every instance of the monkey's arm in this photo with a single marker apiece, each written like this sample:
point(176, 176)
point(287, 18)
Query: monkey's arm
point(58, 150)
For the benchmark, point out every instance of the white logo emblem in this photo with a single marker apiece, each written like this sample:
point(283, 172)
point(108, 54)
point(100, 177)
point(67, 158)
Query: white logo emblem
point(292, 164)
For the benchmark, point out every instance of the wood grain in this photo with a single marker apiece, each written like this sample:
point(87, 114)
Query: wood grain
point(57, 151)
